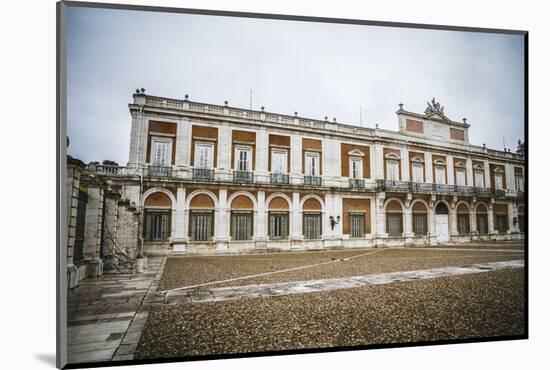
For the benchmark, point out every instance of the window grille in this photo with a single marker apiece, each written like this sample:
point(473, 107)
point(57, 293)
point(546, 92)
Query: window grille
point(395, 224)
point(392, 170)
point(463, 223)
point(241, 225)
point(202, 226)
point(420, 224)
point(278, 225)
point(312, 225)
point(482, 225)
point(157, 225)
point(357, 225)
point(502, 223)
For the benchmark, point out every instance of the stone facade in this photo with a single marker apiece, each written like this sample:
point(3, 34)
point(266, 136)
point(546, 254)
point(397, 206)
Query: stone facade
point(422, 185)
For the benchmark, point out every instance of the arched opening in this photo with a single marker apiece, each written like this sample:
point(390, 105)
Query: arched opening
point(481, 219)
point(278, 218)
point(157, 217)
point(420, 219)
point(463, 219)
point(312, 220)
point(242, 218)
point(442, 223)
point(394, 218)
point(521, 219)
point(201, 218)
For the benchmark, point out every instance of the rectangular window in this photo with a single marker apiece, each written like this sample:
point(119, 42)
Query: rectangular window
point(463, 223)
point(357, 225)
point(460, 177)
point(279, 161)
point(356, 166)
point(241, 225)
point(440, 174)
point(202, 225)
point(312, 225)
point(278, 225)
point(243, 159)
point(498, 181)
point(392, 169)
point(479, 178)
point(204, 155)
point(502, 223)
point(519, 182)
point(312, 164)
point(157, 225)
point(420, 224)
point(395, 224)
point(161, 154)
point(418, 172)
point(482, 225)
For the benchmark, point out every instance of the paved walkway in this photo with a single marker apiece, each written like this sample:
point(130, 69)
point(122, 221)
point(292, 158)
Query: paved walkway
point(106, 315)
point(202, 294)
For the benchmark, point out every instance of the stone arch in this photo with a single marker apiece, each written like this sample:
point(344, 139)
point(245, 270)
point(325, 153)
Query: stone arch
point(240, 194)
point(462, 207)
point(419, 207)
point(201, 192)
point(279, 195)
point(419, 201)
point(391, 202)
point(447, 205)
point(164, 191)
point(521, 210)
point(481, 208)
point(308, 201)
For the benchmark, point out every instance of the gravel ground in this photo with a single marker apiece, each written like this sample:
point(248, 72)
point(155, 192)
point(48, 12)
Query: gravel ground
point(469, 306)
point(186, 271)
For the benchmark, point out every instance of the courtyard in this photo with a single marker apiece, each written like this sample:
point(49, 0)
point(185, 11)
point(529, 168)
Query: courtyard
point(210, 305)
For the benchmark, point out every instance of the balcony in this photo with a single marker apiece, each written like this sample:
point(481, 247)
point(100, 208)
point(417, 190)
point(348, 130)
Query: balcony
point(357, 183)
point(159, 171)
point(499, 193)
point(279, 178)
point(399, 186)
point(203, 174)
point(420, 187)
point(484, 192)
point(312, 180)
point(243, 177)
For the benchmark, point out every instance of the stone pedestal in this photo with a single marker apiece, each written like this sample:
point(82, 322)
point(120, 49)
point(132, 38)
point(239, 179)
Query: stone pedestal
point(94, 268)
point(72, 276)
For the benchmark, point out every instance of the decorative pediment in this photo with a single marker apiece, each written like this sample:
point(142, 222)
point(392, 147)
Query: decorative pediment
point(436, 110)
point(392, 156)
point(440, 162)
point(417, 159)
point(356, 153)
point(460, 164)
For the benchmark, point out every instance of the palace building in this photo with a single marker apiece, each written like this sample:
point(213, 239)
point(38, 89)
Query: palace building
point(205, 179)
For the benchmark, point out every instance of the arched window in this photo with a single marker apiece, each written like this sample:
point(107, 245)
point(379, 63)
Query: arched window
point(481, 219)
point(157, 217)
point(312, 220)
point(463, 219)
point(201, 217)
point(394, 218)
point(242, 220)
point(278, 218)
point(420, 219)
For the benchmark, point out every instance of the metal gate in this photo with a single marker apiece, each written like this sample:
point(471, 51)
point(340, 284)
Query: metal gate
point(78, 254)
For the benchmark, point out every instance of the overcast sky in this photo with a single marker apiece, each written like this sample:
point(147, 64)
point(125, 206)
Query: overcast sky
point(317, 69)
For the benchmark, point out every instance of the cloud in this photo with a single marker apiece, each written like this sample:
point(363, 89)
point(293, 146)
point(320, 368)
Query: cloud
point(317, 69)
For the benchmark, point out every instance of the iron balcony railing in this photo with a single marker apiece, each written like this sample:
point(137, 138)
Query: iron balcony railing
point(279, 178)
point(484, 192)
point(420, 187)
point(312, 180)
point(203, 174)
point(242, 177)
point(499, 193)
point(160, 171)
point(357, 183)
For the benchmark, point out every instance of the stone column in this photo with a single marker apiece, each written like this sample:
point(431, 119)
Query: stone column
point(469, 172)
point(450, 171)
point(74, 170)
point(473, 220)
point(179, 235)
point(407, 215)
point(490, 220)
point(221, 234)
point(183, 143)
point(223, 169)
point(92, 234)
point(512, 212)
point(295, 153)
point(405, 164)
point(378, 168)
point(510, 177)
point(453, 219)
point(260, 222)
point(110, 224)
point(487, 172)
point(428, 166)
point(262, 155)
point(431, 220)
point(295, 218)
point(331, 162)
point(381, 234)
